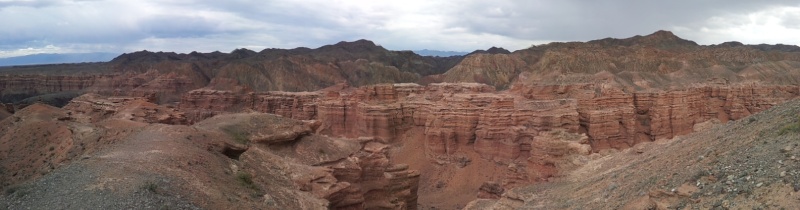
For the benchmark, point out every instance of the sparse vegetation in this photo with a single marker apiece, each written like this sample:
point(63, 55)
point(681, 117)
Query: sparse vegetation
point(150, 187)
point(793, 127)
point(236, 133)
point(246, 180)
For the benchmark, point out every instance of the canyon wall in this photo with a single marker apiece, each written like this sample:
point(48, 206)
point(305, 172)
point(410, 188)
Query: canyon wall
point(501, 126)
point(19, 87)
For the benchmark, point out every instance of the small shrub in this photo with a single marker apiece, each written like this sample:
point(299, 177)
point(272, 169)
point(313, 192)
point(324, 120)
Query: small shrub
point(150, 187)
point(793, 127)
point(246, 180)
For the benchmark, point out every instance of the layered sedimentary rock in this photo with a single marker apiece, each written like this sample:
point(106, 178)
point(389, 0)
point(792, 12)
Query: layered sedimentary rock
point(499, 125)
point(208, 102)
point(18, 87)
point(455, 116)
point(376, 184)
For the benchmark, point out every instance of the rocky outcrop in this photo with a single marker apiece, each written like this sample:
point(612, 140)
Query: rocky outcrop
point(348, 173)
point(93, 108)
point(382, 185)
point(497, 70)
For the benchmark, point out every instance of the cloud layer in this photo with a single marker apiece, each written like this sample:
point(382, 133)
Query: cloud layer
point(31, 26)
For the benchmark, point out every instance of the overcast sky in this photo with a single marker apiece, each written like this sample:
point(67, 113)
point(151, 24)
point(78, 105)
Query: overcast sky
point(59, 26)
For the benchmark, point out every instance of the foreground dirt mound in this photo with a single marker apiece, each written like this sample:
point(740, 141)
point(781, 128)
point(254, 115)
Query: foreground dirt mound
point(39, 138)
point(753, 163)
point(114, 153)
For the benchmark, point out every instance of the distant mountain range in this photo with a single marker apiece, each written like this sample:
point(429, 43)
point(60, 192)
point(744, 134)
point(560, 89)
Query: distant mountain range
point(52, 58)
point(427, 52)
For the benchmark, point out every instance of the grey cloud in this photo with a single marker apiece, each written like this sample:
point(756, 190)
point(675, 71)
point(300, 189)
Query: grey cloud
point(169, 26)
point(118, 24)
point(583, 20)
point(14, 3)
point(791, 20)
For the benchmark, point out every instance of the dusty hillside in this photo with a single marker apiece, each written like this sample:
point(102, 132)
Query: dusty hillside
point(113, 153)
point(751, 163)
